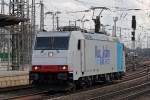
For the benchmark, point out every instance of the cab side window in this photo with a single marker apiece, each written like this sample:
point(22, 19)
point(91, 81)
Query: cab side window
point(79, 44)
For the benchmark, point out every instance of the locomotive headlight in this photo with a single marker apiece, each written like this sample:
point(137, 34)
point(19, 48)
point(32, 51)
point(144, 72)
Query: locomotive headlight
point(37, 68)
point(50, 54)
point(64, 67)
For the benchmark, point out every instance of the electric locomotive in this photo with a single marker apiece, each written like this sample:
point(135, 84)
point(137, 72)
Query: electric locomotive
point(76, 57)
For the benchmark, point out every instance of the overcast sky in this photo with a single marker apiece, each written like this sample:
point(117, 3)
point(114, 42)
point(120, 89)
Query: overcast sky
point(75, 5)
point(143, 16)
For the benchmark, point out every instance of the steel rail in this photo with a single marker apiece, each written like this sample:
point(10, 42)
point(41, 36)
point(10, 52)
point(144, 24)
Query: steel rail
point(105, 96)
point(134, 94)
point(123, 82)
point(26, 95)
point(104, 91)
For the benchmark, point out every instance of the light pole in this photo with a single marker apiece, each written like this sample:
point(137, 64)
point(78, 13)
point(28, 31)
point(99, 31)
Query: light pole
point(83, 21)
point(115, 25)
point(42, 16)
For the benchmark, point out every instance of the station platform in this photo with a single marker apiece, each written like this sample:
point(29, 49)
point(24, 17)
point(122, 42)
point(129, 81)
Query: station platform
point(13, 78)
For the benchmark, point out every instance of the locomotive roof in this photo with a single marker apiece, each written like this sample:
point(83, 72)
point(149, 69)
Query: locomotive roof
point(53, 33)
point(93, 36)
point(78, 34)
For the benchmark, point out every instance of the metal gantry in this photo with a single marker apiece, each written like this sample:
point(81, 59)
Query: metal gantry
point(21, 35)
point(16, 40)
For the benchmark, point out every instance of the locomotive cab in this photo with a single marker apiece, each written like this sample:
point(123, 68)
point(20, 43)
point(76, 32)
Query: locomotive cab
point(52, 57)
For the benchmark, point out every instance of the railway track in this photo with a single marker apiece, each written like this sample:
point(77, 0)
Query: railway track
point(131, 80)
point(23, 92)
point(136, 74)
point(96, 94)
point(27, 93)
point(125, 94)
point(36, 94)
point(14, 88)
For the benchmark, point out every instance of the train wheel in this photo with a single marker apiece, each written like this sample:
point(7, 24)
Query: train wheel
point(117, 76)
point(90, 82)
point(108, 78)
point(35, 82)
point(72, 87)
point(82, 83)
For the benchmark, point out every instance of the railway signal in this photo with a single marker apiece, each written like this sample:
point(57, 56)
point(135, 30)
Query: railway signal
point(133, 22)
point(133, 36)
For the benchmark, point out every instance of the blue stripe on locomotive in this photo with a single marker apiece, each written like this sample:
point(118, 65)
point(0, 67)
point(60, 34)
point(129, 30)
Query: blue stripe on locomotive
point(119, 56)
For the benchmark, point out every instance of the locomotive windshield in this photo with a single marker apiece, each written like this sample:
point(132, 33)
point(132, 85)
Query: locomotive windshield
point(52, 43)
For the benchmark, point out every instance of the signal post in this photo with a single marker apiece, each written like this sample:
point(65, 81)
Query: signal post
point(133, 41)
